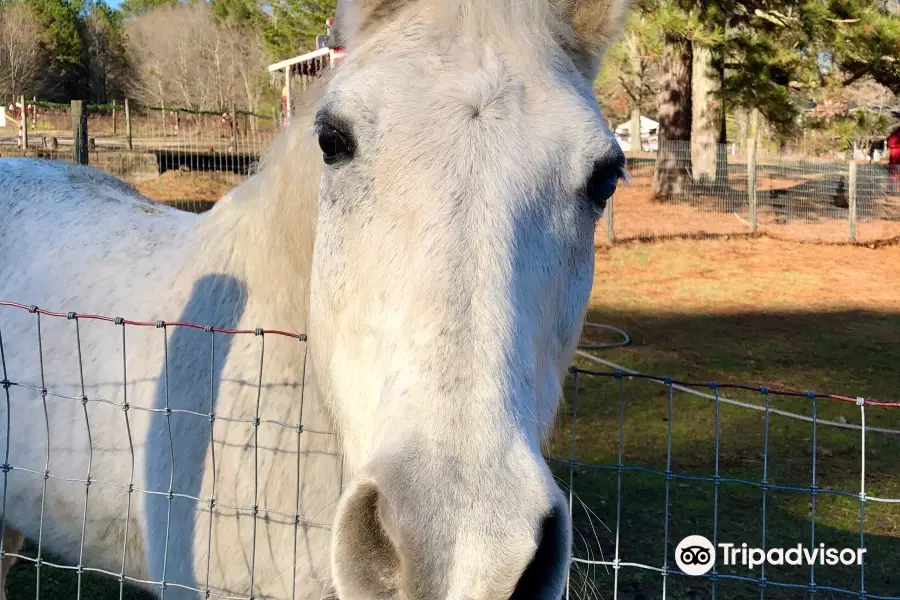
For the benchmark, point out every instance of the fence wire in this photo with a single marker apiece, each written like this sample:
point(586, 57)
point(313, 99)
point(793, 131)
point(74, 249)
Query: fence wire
point(191, 158)
point(685, 462)
point(784, 195)
point(184, 157)
point(257, 512)
point(681, 462)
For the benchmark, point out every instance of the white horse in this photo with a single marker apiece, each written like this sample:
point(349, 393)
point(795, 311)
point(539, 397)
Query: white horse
point(436, 245)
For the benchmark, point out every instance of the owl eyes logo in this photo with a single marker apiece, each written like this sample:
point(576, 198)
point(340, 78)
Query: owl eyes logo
point(695, 555)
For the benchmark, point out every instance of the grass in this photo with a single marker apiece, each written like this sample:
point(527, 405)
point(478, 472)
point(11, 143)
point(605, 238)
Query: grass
point(751, 311)
point(808, 317)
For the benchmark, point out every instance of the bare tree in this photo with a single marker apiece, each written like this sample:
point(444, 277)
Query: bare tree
point(185, 57)
point(171, 48)
point(249, 66)
point(21, 53)
point(630, 72)
point(108, 60)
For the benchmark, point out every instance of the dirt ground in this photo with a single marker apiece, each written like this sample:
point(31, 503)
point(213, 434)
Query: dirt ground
point(637, 215)
point(747, 274)
point(174, 186)
point(758, 310)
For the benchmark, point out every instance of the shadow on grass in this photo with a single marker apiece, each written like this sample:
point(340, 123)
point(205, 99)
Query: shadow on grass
point(56, 583)
point(850, 353)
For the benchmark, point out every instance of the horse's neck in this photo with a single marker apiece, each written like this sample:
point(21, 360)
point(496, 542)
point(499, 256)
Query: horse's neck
point(265, 245)
point(260, 240)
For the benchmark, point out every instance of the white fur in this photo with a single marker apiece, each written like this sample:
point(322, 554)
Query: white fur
point(441, 276)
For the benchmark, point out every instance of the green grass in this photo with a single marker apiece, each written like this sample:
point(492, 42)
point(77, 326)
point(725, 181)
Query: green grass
point(850, 353)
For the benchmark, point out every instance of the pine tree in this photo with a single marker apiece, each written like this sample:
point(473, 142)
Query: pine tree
point(763, 55)
point(295, 24)
point(133, 8)
point(63, 39)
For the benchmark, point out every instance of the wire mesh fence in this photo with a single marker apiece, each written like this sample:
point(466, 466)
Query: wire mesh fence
point(647, 461)
point(191, 158)
point(172, 153)
point(651, 460)
point(784, 195)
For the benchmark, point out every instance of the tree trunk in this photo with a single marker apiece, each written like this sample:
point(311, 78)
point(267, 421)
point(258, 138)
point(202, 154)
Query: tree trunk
point(708, 118)
point(673, 159)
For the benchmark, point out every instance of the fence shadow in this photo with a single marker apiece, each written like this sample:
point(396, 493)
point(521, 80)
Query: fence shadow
point(848, 352)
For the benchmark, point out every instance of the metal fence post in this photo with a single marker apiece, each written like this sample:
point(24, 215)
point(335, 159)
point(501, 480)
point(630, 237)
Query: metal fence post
point(79, 132)
point(610, 224)
point(752, 144)
point(751, 185)
point(852, 200)
point(128, 125)
point(289, 102)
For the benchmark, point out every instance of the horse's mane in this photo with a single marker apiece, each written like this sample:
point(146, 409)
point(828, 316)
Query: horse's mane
point(263, 230)
point(530, 26)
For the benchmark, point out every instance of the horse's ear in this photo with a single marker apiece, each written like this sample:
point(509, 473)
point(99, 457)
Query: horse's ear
point(594, 23)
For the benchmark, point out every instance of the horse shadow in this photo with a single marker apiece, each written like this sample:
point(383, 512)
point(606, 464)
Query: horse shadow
point(175, 467)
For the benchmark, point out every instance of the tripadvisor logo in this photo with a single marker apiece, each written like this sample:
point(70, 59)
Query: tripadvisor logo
point(696, 555)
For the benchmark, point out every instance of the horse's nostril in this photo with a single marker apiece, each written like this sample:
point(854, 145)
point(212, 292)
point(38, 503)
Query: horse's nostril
point(364, 555)
point(546, 573)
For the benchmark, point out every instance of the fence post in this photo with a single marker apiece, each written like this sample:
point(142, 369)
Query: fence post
point(289, 103)
point(852, 200)
point(610, 224)
point(751, 185)
point(79, 132)
point(751, 170)
point(23, 125)
point(128, 125)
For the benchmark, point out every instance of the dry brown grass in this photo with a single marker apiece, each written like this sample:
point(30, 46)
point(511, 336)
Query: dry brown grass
point(637, 215)
point(746, 274)
point(175, 186)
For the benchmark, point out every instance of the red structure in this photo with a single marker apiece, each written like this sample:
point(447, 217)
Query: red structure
point(328, 53)
point(893, 146)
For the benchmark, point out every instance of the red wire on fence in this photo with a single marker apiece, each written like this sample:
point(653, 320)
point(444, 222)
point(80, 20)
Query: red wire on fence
point(302, 337)
point(120, 321)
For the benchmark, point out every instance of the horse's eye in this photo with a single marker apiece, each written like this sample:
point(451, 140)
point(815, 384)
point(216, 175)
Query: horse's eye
point(334, 144)
point(601, 184)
